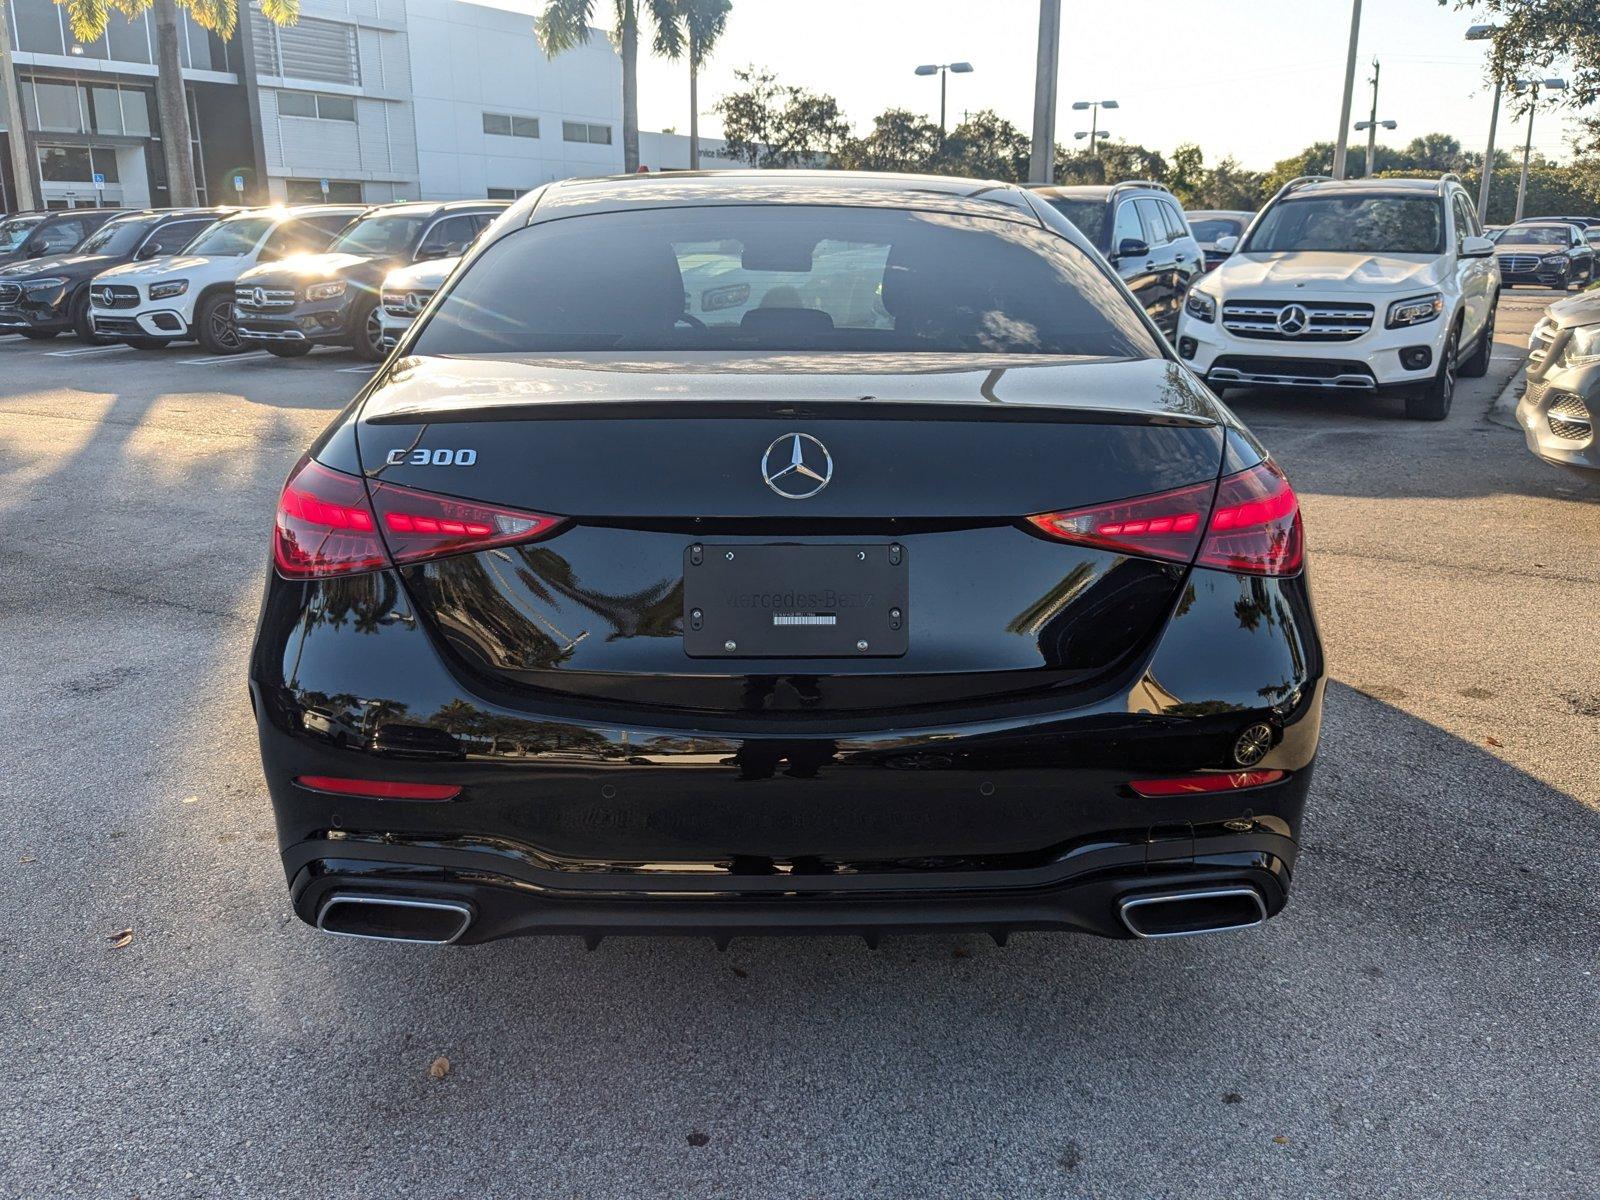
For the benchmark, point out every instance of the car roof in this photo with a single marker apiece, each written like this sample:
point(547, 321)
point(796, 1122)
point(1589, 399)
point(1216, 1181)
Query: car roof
point(690, 189)
point(1203, 213)
point(1371, 187)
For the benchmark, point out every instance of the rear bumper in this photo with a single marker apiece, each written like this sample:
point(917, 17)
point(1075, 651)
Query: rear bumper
point(586, 817)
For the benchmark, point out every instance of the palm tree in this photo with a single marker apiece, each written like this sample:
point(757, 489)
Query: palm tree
point(88, 20)
point(565, 24)
point(703, 22)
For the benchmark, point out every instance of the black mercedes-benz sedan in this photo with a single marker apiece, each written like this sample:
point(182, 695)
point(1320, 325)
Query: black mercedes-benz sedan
point(761, 553)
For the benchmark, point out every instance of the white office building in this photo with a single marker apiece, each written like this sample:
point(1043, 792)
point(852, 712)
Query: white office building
point(362, 100)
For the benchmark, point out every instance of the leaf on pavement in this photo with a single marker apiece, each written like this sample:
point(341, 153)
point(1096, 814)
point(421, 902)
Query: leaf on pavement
point(27, 858)
point(439, 1068)
point(120, 939)
point(1495, 742)
point(1280, 1140)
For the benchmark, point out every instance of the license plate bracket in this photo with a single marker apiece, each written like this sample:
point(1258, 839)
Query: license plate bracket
point(796, 601)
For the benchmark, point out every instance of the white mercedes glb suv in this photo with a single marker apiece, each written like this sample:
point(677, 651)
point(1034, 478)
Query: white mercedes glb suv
point(189, 296)
point(1364, 285)
point(406, 292)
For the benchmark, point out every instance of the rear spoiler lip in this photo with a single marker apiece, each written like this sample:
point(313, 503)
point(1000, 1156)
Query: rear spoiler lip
point(866, 408)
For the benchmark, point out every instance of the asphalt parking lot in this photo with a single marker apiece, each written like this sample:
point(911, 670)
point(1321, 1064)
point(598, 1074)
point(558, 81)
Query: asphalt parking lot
point(1421, 1021)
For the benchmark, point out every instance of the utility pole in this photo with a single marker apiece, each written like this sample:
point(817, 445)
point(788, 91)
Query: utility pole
point(1372, 122)
point(1342, 146)
point(1488, 156)
point(1041, 168)
point(24, 197)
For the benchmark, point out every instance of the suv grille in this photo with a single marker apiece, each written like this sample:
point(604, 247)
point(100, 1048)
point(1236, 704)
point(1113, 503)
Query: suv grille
point(1569, 418)
point(109, 295)
point(1296, 320)
point(263, 298)
point(10, 293)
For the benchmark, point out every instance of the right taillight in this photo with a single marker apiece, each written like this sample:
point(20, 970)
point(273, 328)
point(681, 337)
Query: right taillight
point(327, 526)
point(1248, 522)
point(1255, 524)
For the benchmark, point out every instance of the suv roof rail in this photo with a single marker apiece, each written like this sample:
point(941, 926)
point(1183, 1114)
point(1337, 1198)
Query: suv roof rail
point(1299, 181)
point(1449, 177)
point(1141, 183)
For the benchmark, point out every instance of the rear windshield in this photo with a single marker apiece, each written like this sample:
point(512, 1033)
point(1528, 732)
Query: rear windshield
point(1088, 215)
point(782, 278)
point(1351, 224)
point(1209, 229)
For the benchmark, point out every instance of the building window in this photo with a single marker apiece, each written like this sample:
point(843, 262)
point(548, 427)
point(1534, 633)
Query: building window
point(506, 193)
point(505, 125)
point(309, 191)
point(577, 131)
point(316, 104)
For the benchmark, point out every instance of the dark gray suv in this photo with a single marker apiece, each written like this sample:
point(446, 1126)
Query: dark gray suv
point(1140, 228)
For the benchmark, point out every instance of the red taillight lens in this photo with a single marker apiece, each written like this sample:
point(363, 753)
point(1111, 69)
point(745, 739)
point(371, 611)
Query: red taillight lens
point(1167, 525)
point(1249, 522)
point(378, 789)
point(1186, 785)
point(1255, 526)
point(419, 525)
point(326, 526)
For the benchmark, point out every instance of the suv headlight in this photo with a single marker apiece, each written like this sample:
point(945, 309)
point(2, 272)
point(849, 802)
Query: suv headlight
point(1583, 347)
point(1202, 306)
point(1418, 310)
point(325, 291)
point(43, 285)
point(1556, 260)
point(173, 287)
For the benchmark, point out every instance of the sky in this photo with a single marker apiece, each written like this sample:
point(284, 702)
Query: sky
point(1255, 79)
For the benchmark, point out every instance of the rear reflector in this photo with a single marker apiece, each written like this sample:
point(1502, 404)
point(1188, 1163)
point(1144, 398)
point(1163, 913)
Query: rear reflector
point(378, 789)
point(1249, 523)
point(1185, 785)
point(327, 526)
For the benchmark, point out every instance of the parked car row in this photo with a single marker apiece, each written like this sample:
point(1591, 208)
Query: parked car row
point(284, 279)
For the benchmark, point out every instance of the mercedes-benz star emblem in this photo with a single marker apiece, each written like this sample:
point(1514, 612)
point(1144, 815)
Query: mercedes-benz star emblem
point(259, 297)
point(1292, 320)
point(797, 466)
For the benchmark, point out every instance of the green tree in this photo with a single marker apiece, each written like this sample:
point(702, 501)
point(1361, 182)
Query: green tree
point(702, 23)
point(900, 141)
point(771, 124)
point(1229, 186)
point(1533, 36)
point(88, 20)
point(565, 23)
point(1186, 172)
point(987, 146)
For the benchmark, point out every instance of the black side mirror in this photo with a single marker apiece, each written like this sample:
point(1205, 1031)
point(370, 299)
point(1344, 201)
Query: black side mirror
point(1132, 248)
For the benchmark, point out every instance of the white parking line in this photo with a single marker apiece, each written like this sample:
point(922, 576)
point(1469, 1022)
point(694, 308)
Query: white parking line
point(212, 359)
point(82, 350)
point(362, 370)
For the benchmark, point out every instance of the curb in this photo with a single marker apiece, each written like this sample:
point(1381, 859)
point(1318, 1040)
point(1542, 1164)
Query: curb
point(1504, 409)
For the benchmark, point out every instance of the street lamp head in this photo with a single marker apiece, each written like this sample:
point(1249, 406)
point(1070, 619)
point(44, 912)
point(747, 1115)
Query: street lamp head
point(1109, 104)
point(1080, 105)
point(1481, 33)
point(1081, 134)
point(1363, 126)
point(961, 68)
point(1555, 85)
point(1389, 124)
point(927, 69)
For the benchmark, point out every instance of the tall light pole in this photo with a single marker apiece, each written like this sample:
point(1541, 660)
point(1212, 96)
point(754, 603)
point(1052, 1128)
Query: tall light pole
point(1483, 33)
point(1342, 146)
point(22, 170)
point(1093, 106)
point(1041, 165)
point(942, 70)
point(1372, 123)
point(1531, 86)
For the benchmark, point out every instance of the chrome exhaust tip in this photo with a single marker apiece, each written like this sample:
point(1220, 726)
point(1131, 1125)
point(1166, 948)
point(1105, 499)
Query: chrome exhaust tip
point(1184, 914)
point(394, 918)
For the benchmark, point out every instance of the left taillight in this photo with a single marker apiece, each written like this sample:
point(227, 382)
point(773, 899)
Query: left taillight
point(1248, 522)
point(327, 525)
